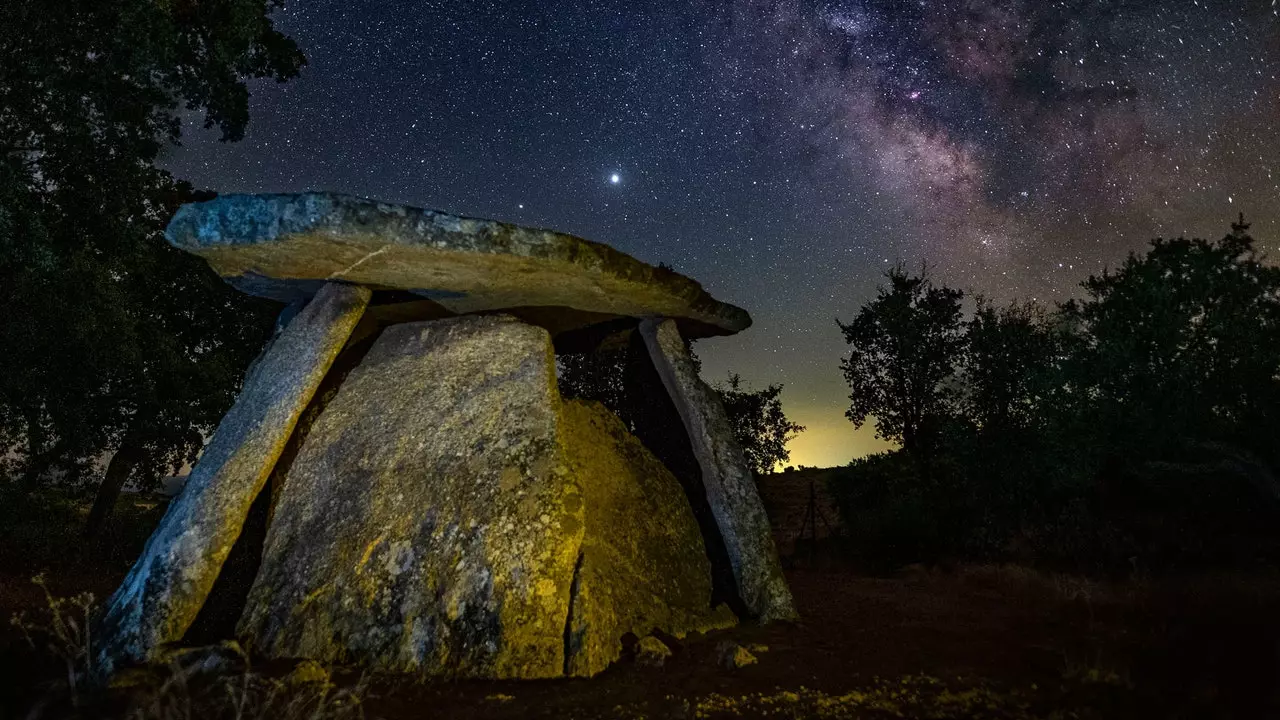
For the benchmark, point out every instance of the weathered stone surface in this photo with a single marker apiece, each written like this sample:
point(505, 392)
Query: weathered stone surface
point(427, 522)
point(652, 652)
point(643, 566)
point(732, 656)
point(166, 587)
point(729, 482)
point(283, 246)
point(448, 514)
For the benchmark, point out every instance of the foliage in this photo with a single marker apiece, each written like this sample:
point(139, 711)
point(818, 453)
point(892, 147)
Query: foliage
point(894, 513)
point(903, 347)
point(1180, 344)
point(65, 636)
point(212, 682)
point(308, 693)
point(112, 338)
point(1131, 429)
point(623, 380)
point(1009, 358)
point(759, 424)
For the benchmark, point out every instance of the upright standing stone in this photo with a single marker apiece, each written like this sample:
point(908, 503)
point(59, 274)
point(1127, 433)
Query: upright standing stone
point(429, 522)
point(164, 591)
point(730, 485)
point(449, 515)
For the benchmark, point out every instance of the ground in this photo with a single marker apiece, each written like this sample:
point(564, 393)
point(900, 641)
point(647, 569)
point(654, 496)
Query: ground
point(968, 641)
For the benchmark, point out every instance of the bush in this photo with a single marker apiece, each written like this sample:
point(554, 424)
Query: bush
point(896, 511)
point(1021, 497)
point(206, 682)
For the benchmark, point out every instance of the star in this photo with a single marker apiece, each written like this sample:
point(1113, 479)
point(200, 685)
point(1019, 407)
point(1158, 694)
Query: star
point(969, 136)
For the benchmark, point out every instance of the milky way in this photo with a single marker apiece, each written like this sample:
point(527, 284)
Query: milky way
point(1013, 136)
point(786, 153)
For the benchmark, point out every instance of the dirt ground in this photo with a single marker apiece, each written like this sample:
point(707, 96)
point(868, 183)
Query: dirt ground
point(972, 641)
point(1192, 648)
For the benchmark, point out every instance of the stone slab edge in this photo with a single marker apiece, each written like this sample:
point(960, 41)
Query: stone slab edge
point(730, 484)
point(166, 587)
point(208, 228)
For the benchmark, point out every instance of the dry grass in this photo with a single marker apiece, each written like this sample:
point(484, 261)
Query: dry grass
point(195, 691)
point(63, 635)
point(921, 697)
point(212, 683)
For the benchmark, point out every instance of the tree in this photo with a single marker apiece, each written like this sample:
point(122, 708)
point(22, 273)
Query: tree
point(1009, 353)
point(624, 381)
point(904, 345)
point(1181, 342)
point(115, 342)
point(759, 424)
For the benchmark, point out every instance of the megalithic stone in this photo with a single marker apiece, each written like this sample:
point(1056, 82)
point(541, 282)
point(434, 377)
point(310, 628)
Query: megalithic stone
point(428, 523)
point(162, 594)
point(730, 485)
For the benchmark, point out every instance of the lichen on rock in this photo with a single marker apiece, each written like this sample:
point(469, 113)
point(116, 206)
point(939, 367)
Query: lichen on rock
point(167, 586)
point(643, 566)
point(448, 514)
point(284, 246)
point(652, 652)
point(428, 522)
point(729, 481)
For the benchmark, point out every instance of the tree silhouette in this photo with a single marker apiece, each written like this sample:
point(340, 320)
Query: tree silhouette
point(1134, 426)
point(115, 342)
point(759, 424)
point(1009, 357)
point(1181, 342)
point(903, 346)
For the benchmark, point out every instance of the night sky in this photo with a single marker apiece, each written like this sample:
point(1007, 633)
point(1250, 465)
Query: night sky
point(786, 153)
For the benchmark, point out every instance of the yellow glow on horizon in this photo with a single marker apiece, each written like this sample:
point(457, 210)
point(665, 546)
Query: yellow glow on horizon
point(830, 441)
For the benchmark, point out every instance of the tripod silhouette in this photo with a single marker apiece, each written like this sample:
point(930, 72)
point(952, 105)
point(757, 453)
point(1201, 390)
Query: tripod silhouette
point(812, 516)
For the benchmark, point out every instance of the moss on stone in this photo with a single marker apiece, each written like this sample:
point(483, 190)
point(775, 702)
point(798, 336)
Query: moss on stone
point(283, 246)
point(448, 514)
point(643, 567)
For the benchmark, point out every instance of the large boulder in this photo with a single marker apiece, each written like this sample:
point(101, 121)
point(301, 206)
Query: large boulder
point(642, 564)
point(447, 514)
point(284, 246)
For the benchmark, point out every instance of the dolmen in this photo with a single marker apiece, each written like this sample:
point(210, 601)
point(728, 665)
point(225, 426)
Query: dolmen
point(435, 505)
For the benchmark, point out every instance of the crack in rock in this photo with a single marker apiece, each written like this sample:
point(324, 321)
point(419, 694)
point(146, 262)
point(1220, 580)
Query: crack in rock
point(339, 275)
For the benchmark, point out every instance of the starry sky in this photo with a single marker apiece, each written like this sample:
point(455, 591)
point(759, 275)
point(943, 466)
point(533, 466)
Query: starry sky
point(785, 153)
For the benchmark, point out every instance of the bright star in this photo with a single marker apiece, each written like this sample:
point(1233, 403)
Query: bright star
point(615, 178)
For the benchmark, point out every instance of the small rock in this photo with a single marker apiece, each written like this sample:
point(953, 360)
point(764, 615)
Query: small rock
point(652, 652)
point(732, 656)
point(308, 672)
point(221, 659)
point(914, 572)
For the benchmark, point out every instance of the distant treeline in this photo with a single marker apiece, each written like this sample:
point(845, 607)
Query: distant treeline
point(1136, 428)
